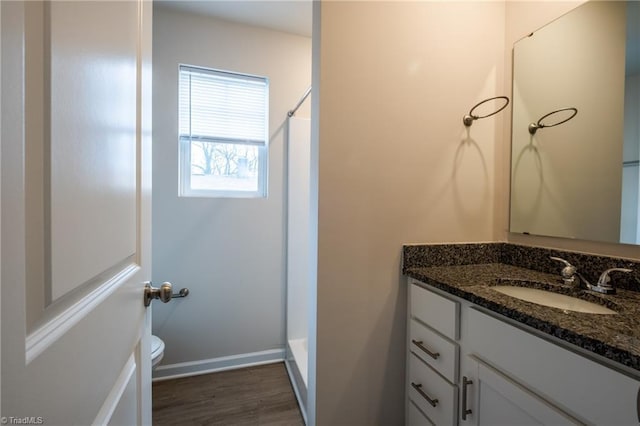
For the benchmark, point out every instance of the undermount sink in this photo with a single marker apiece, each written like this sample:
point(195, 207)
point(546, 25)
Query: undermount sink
point(553, 300)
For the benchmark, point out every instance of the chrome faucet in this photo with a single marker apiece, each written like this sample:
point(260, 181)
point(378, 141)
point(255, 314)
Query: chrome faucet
point(569, 274)
point(604, 282)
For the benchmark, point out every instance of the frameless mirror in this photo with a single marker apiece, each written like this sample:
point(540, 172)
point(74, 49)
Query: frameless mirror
point(578, 179)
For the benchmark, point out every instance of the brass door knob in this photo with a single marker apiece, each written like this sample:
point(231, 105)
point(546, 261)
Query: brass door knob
point(163, 293)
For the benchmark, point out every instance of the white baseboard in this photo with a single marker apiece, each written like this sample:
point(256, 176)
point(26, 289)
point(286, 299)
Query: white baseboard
point(194, 368)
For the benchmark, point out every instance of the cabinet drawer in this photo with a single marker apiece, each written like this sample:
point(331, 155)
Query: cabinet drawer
point(435, 350)
point(426, 383)
point(415, 417)
point(439, 312)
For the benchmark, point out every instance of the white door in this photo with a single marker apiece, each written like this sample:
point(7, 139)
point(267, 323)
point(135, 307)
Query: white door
point(75, 212)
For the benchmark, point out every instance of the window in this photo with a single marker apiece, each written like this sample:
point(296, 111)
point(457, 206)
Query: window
point(223, 132)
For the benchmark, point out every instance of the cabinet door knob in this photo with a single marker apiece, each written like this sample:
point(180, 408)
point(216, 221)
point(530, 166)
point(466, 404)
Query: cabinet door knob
point(465, 382)
point(419, 344)
point(418, 387)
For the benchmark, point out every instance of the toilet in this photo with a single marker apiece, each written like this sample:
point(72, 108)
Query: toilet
point(157, 351)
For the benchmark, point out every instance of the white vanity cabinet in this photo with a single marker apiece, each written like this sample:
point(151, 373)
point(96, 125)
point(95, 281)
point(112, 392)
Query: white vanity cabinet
point(501, 374)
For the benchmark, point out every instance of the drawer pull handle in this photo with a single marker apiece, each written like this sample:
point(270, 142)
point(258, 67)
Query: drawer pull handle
point(418, 387)
point(638, 404)
point(419, 344)
point(465, 382)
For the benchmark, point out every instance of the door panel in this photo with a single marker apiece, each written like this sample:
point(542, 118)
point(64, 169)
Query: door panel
point(92, 139)
point(75, 233)
point(502, 401)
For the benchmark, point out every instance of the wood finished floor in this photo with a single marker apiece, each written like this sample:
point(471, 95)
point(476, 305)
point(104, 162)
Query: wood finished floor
point(249, 396)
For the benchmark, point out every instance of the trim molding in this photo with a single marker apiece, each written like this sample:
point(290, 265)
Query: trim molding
point(195, 368)
point(115, 395)
point(52, 330)
point(298, 387)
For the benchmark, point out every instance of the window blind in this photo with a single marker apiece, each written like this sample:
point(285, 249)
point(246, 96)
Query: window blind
point(222, 107)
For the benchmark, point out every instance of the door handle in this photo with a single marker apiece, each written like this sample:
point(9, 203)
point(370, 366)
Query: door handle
point(418, 387)
point(164, 293)
point(420, 344)
point(465, 411)
point(638, 404)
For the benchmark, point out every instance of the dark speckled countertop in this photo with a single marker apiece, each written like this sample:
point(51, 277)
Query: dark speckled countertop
point(616, 337)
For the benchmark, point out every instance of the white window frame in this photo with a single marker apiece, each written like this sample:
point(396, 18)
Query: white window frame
point(185, 144)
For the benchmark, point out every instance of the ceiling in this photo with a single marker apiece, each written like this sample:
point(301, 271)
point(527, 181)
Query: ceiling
point(292, 16)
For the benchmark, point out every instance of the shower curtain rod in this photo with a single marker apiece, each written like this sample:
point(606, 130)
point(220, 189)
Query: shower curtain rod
point(295, 108)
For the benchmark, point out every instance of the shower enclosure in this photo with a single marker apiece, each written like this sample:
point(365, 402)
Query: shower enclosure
point(298, 184)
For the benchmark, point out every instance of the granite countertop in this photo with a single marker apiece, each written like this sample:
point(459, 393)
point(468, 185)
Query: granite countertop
point(616, 337)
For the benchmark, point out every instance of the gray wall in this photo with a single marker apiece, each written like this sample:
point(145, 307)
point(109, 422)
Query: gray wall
point(228, 252)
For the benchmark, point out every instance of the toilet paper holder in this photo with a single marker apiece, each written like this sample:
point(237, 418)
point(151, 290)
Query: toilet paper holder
point(184, 292)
